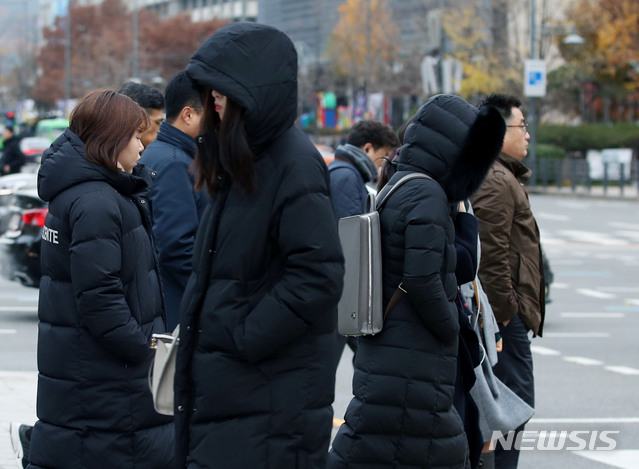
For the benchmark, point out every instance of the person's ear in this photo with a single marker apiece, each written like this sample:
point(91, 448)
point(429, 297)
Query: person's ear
point(368, 148)
point(187, 114)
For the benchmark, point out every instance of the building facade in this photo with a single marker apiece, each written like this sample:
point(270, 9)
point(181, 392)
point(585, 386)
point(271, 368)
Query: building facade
point(308, 23)
point(204, 10)
point(200, 10)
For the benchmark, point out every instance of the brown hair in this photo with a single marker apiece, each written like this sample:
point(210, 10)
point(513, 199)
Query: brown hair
point(226, 150)
point(105, 121)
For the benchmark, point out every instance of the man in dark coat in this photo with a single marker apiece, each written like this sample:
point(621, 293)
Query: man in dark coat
point(356, 164)
point(177, 206)
point(402, 412)
point(100, 302)
point(511, 267)
point(254, 383)
point(12, 157)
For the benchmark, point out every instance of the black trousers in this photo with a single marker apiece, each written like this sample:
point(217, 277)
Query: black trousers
point(515, 370)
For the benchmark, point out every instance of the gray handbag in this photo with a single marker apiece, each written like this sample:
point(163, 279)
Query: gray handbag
point(500, 409)
point(162, 370)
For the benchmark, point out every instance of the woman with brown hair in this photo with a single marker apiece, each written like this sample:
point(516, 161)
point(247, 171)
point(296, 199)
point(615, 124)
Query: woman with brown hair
point(100, 297)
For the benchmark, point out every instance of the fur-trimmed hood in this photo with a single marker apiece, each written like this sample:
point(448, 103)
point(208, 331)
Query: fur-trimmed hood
point(453, 142)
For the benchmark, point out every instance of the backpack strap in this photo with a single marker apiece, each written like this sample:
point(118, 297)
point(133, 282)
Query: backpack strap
point(370, 203)
point(394, 187)
point(397, 295)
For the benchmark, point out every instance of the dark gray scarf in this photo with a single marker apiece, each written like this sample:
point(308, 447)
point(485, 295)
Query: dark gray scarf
point(360, 160)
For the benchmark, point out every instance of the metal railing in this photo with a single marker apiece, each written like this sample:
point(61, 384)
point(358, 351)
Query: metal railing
point(573, 175)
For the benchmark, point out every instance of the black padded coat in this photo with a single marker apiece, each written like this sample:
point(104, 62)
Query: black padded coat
point(402, 413)
point(100, 301)
point(254, 383)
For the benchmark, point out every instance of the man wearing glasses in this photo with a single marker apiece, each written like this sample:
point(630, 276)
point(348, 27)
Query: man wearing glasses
point(510, 269)
point(177, 207)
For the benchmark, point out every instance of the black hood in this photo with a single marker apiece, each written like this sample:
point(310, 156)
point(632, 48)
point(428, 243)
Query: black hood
point(64, 165)
point(453, 142)
point(255, 66)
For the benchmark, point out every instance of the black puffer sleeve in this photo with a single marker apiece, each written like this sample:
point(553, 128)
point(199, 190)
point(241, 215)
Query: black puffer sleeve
point(96, 264)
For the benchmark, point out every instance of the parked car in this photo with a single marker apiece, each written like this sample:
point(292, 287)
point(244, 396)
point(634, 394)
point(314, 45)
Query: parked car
point(32, 148)
point(50, 128)
point(20, 243)
point(8, 186)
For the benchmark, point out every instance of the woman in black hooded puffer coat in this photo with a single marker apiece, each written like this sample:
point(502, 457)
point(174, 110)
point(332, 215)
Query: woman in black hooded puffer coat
point(100, 297)
point(402, 413)
point(254, 380)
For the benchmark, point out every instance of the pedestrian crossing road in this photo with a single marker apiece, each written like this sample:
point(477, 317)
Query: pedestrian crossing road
point(586, 365)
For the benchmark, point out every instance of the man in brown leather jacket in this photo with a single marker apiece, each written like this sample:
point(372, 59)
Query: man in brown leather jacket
point(511, 264)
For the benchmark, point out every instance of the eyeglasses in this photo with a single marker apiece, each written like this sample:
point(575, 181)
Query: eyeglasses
point(523, 126)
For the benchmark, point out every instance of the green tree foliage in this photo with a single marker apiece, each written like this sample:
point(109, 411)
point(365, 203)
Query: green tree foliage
point(589, 136)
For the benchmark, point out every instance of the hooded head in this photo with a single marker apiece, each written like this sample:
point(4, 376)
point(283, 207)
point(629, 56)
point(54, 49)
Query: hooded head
point(454, 142)
point(255, 66)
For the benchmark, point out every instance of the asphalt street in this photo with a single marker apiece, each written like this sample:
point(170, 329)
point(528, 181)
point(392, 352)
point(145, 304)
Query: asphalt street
point(586, 365)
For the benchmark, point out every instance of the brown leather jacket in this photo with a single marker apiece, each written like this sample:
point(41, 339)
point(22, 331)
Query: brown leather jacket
point(511, 267)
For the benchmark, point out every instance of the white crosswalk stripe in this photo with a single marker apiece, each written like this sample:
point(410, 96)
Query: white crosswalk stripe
point(619, 235)
point(596, 294)
point(624, 370)
point(593, 237)
point(543, 350)
point(622, 459)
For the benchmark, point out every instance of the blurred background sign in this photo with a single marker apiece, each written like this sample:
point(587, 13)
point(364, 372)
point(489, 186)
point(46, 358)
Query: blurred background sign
point(535, 78)
point(608, 163)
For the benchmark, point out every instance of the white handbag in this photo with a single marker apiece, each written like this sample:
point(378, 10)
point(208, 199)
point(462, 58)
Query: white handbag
point(162, 370)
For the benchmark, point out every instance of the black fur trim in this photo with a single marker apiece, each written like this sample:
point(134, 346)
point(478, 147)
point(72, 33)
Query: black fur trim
point(481, 148)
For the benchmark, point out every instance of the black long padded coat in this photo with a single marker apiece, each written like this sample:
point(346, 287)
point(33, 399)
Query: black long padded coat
point(402, 414)
point(100, 301)
point(254, 383)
